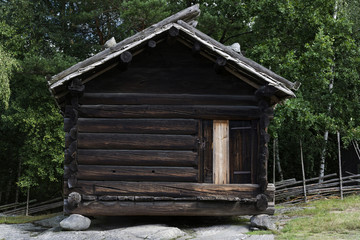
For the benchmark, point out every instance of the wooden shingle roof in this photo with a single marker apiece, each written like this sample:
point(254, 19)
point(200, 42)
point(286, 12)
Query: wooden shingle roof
point(245, 69)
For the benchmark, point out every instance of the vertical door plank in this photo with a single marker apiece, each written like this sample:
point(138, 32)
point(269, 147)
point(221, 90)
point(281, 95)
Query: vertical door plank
point(221, 171)
point(207, 129)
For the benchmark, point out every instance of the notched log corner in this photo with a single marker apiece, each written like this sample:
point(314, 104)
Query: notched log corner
point(265, 92)
point(76, 87)
point(72, 181)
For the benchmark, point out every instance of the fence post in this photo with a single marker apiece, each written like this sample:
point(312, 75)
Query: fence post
point(274, 157)
point(340, 171)
point(27, 201)
point(303, 171)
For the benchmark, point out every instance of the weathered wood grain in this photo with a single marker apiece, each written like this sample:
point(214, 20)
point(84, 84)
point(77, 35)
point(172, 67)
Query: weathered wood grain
point(243, 149)
point(137, 157)
point(207, 126)
point(169, 111)
point(153, 126)
point(168, 208)
point(221, 165)
point(136, 141)
point(167, 99)
point(168, 189)
point(131, 173)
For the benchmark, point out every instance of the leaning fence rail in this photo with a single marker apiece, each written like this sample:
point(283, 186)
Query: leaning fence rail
point(292, 191)
point(33, 208)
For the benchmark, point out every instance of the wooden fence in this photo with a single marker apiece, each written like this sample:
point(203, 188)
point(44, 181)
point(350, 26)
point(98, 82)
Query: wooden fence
point(20, 209)
point(292, 191)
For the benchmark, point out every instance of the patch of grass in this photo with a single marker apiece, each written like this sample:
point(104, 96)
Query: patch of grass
point(325, 219)
point(24, 219)
point(262, 232)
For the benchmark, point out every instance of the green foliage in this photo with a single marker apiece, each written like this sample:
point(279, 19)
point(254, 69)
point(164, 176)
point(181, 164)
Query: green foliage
point(299, 40)
point(7, 65)
point(136, 14)
point(32, 126)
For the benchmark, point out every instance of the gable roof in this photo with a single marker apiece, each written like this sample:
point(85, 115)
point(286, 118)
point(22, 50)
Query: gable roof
point(237, 64)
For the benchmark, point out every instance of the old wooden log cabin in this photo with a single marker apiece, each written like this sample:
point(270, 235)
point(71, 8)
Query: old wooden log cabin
point(168, 122)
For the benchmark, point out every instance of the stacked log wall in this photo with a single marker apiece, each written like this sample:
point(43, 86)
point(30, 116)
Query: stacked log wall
point(148, 146)
point(151, 127)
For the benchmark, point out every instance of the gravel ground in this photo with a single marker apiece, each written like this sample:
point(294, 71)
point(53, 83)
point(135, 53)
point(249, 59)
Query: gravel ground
point(119, 228)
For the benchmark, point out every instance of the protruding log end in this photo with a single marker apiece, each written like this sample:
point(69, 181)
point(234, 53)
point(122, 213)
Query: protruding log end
point(173, 32)
point(151, 44)
point(126, 57)
point(196, 48)
point(73, 133)
point(261, 202)
point(219, 64)
point(73, 200)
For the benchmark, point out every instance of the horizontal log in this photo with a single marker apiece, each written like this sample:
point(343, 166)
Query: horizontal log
point(136, 141)
point(152, 198)
point(166, 99)
point(137, 158)
point(168, 208)
point(131, 173)
point(170, 189)
point(170, 111)
point(160, 126)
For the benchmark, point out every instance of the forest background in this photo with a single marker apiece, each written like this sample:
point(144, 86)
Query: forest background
point(314, 42)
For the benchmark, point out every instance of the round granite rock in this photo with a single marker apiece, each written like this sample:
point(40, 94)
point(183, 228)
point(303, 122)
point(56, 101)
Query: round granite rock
point(75, 222)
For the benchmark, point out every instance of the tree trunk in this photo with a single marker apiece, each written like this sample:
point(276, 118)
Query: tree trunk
point(8, 191)
point(18, 178)
point(27, 201)
point(340, 169)
point(278, 164)
point(303, 171)
point(326, 134)
point(322, 159)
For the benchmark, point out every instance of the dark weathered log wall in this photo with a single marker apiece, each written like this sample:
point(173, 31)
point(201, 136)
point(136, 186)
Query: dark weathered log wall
point(142, 149)
point(146, 130)
point(168, 189)
point(169, 69)
point(169, 208)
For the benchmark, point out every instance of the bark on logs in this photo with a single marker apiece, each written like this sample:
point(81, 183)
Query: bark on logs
point(264, 95)
point(76, 89)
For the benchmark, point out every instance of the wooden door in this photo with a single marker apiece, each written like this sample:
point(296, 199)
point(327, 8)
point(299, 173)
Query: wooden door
point(243, 151)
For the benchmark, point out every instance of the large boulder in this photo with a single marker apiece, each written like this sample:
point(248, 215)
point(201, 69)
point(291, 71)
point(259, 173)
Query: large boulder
point(75, 222)
point(262, 221)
